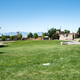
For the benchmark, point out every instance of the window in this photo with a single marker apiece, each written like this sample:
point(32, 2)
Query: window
point(66, 35)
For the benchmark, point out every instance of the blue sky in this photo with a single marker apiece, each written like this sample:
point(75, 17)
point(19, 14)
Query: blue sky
point(39, 15)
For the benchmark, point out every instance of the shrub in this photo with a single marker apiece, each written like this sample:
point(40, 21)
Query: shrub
point(78, 40)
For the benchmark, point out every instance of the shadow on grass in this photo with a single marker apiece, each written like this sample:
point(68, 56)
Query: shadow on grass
point(1, 52)
point(4, 46)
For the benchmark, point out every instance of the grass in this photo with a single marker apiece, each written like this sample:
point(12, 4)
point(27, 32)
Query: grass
point(78, 38)
point(22, 60)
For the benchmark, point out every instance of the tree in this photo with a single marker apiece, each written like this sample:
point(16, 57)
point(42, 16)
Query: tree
point(16, 37)
point(66, 31)
point(3, 38)
point(35, 35)
point(58, 29)
point(11, 37)
point(46, 34)
point(20, 36)
point(78, 31)
point(51, 32)
point(30, 35)
point(55, 36)
point(42, 36)
point(7, 36)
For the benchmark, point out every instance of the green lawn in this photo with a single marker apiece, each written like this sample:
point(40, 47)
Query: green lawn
point(22, 60)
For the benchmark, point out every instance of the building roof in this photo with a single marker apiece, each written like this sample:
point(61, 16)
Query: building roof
point(61, 32)
point(71, 33)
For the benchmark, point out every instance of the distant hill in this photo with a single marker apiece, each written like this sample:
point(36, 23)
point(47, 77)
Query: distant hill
point(23, 33)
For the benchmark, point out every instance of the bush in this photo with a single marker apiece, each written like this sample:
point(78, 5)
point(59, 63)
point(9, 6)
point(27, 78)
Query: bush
point(78, 40)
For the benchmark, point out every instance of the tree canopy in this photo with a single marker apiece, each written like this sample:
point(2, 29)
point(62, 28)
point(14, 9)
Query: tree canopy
point(30, 35)
point(66, 31)
point(3, 38)
point(46, 34)
point(51, 32)
point(20, 36)
point(78, 31)
point(35, 35)
point(43, 36)
point(55, 36)
point(11, 37)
